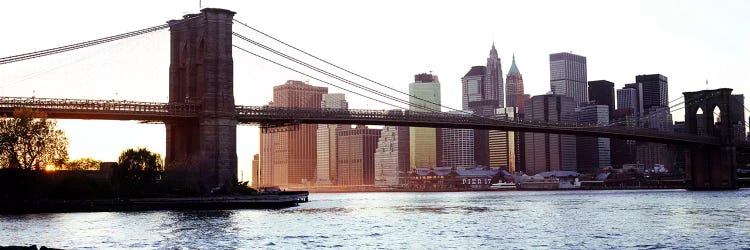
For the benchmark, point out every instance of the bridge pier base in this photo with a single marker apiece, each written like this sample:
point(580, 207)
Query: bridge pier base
point(711, 168)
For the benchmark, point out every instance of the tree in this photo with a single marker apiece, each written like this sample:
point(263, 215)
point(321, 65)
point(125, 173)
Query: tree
point(30, 141)
point(137, 170)
point(83, 164)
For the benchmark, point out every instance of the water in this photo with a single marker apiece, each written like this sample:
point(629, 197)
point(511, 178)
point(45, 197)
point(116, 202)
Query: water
point(507, 220)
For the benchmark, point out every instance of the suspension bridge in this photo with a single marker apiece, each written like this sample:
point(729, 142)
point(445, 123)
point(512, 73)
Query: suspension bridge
point(201, 116)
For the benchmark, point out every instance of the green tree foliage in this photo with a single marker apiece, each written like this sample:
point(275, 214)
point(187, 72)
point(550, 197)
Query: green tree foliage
point(137, 171)
point(29, 141)
point(83, 164)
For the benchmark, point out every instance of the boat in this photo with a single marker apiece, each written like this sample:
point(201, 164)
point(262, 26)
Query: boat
point(503, 185)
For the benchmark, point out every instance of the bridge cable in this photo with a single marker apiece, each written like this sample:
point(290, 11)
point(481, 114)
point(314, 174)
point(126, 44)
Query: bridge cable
point(345, 70)
point(302, 73)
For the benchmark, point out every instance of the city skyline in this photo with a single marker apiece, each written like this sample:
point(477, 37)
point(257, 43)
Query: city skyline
point(373, 58)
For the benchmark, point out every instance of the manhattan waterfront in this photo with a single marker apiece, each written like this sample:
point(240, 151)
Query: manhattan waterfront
point(656, 219)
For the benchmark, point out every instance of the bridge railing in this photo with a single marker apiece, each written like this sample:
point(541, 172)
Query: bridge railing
point(63, 105)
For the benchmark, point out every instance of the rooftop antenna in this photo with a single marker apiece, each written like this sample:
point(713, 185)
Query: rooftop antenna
point(200, 5)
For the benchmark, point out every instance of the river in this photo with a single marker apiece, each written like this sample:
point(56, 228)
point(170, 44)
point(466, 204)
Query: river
point(498, 220)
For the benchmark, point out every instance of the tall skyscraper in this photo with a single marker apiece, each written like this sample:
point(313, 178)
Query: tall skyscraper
point(624, 151)
point(473, 86)
point(738, 114)
point(457, 148)
point(504, 144)
point(326, 141)
point(653, 91)
point(289, 157)
point(494, 79)
point(514, 94)
point(593, 153)
point(356, 155)
point(550, 152)
point(568, 76)
point(648, 153)
point(392, 156)
point(603, 93)
point(423, 142)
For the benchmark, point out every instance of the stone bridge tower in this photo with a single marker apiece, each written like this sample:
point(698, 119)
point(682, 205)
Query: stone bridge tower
point(202, 152)
point(711, 167)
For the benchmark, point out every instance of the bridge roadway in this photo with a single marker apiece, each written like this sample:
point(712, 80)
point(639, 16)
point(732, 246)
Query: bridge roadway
point(58, 108)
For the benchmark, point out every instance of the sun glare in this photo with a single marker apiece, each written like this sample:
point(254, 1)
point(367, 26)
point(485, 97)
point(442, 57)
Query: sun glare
point(49, 167)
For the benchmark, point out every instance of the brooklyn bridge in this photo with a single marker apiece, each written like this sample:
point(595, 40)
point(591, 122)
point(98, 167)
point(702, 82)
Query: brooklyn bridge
point(201, 115)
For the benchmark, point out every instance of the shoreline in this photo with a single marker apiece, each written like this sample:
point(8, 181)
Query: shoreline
point(261, 201)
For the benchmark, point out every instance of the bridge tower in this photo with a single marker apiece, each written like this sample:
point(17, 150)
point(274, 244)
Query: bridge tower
point(202, 153)
point(711, 167)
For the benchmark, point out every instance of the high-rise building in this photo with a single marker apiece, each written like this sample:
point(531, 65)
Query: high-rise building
point(593, 153)
point(423, 142)
point(653, 91)
point(356, 155)
point(504, 144)
point(473, 86)
point(549, 152)
point(648, 153)
point(514, 94)
point(289, 156)
point(494, 79)
point(738, 114)
point(457, 146)
point(392, 156)
point(326, 141)
point(627, 99)
point(624, 151)
point(602, 92)
point(568, 76)
point(255, 172)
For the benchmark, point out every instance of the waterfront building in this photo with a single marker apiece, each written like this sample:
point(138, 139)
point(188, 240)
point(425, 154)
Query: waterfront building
point(593, 152)
point(648, 153)
point(602, 92)
point(514, 93)
point(568, 76)
point(627, 99)
point(423, 142)
point(457, 146)
point(326, 141)
point(738, 114)
point(653, 91)
point(392, 156)
point(624, 151)
point(288, 156)
point(550, 152)
point(504, 144)
point(356, 155)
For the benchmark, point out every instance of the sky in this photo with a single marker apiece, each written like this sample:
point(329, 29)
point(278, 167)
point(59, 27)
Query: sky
point(690, 42)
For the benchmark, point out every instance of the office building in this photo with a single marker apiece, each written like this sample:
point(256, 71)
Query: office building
point(326, 141)
point(568, 76)
point(289, 156)
point(423, 142)
point(504, 144)
point(392, 156)
point(550, 152)
point(603, 93)
point(494, 79)
point(514, 94)
point(255, 172)
point(355, 157)
point(457, 146)
point(593, 153)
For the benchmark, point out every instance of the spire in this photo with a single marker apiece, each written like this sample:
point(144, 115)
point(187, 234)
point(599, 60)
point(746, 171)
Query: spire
point(493, 51)
point(513, 68)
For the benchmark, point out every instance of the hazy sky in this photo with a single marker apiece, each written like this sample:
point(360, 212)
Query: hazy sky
point(388, 41)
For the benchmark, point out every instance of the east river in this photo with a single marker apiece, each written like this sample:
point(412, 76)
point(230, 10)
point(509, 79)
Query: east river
point(496, 220)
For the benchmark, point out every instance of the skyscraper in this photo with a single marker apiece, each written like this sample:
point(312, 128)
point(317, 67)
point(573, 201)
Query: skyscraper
point(514, 94)
point(326, 141)
point(549, 152)
point(738, 114)
point(423, 142)
point(392, 156)
point(568, 76)
point(457, 148)
point(627, 99)
point(289, 157)
point(593, 153)
point(356, 155)
point(504, 144)
point(494, 79)
point(255, 172)
point(602, 92)
point(653, 91)
point(473, 86)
